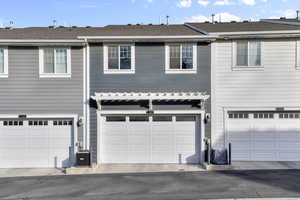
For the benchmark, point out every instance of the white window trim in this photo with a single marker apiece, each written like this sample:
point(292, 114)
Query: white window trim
point(118, 71)
point(54, 75)
point(5, 73)
point(298, 54)
point(180, 71)
point(235, 67)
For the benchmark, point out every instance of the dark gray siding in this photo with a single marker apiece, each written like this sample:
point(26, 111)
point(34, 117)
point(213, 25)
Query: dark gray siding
point(149, 77)
point(24, 92)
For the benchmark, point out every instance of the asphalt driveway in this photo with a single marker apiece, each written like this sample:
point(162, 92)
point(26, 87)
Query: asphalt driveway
point(173, 186)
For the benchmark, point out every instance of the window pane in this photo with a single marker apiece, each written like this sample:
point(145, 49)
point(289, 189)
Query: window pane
point(115, 118)
point(254, 53)
point(61, 61)
point(125, 57)
point(113, 57)
point(139, 118)
point(175, 57)
point(242, 54)
point(185, 118)
point(48, 60)
point(1, 60)
point(160, 118)
point(187, 57)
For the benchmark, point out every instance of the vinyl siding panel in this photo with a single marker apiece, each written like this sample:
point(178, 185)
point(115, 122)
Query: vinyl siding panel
point(277, 85)
point(149, 76)
point(24, 92)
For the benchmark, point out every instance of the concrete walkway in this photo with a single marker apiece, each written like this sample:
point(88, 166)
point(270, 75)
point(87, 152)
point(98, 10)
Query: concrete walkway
point(255, 165)
point(264, 165)
point(134, 168)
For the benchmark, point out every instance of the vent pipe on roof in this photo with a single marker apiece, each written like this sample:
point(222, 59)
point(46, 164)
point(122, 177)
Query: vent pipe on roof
point(167, 19)
point(11, 24)
point(54, 23)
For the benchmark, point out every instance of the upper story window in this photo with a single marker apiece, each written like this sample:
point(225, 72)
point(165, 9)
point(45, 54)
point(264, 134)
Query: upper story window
point(181, 58)
point(119, 58)
point(3, 62)
point(248, 54)
point(55, 62)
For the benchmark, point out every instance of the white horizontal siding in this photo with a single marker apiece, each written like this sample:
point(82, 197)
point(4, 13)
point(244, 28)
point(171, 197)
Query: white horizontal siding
point(277, 85)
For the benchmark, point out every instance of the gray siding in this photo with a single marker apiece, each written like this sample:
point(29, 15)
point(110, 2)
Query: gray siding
point(24, 92)
point(149, 77)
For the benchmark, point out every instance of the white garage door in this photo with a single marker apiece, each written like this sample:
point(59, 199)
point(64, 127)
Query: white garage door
point(143, 139)
point(35, 143)
point(261, 136)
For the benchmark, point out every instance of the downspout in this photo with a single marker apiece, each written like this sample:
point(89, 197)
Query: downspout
point(86, 97)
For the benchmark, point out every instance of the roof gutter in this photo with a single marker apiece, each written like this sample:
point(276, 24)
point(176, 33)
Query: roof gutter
point(42, 42)
point(150, 38)
point(226, 37)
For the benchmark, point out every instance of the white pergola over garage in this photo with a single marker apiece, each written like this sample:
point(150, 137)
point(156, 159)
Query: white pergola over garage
point(151, 136)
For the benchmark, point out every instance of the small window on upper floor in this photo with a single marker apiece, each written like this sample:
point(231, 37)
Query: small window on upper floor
point(181, 58)
point(55, 62)
point(247, 54)
point(3, 62)
point(119, 58)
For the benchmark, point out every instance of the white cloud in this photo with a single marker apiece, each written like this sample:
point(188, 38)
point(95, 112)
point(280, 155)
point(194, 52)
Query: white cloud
point(197, 18)
point(203, 2)
point(289, 13)
point(224, 17)
point(223, 3)
point(227, 17)
point(249, 2)
point(184, 4)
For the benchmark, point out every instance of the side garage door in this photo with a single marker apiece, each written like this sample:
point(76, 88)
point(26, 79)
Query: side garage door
point(36, 143)
point(143, 139)
point(264, 136)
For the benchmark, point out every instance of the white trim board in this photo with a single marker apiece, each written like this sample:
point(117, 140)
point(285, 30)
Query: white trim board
point(5, 73)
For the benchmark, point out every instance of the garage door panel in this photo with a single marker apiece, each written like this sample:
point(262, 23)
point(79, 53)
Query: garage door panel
point(289, 145)
point(268, 138)
point(35, 143)
point(150, 142)
point(116, 147)
point(163, 157)
point(263, 156)
point(264, 144)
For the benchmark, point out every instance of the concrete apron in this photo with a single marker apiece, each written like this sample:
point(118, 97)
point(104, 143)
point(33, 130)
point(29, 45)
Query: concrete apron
point(133, 168)
point(256, 165)
point(25, 172)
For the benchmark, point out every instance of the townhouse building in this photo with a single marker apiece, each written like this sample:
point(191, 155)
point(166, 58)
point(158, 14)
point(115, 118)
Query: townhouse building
point(149, 93)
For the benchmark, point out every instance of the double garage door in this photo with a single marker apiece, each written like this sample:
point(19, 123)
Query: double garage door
point(36, 143)
point(264, 136)
point(155, 139)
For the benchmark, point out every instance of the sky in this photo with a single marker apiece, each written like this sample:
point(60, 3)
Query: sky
point(27, 13)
